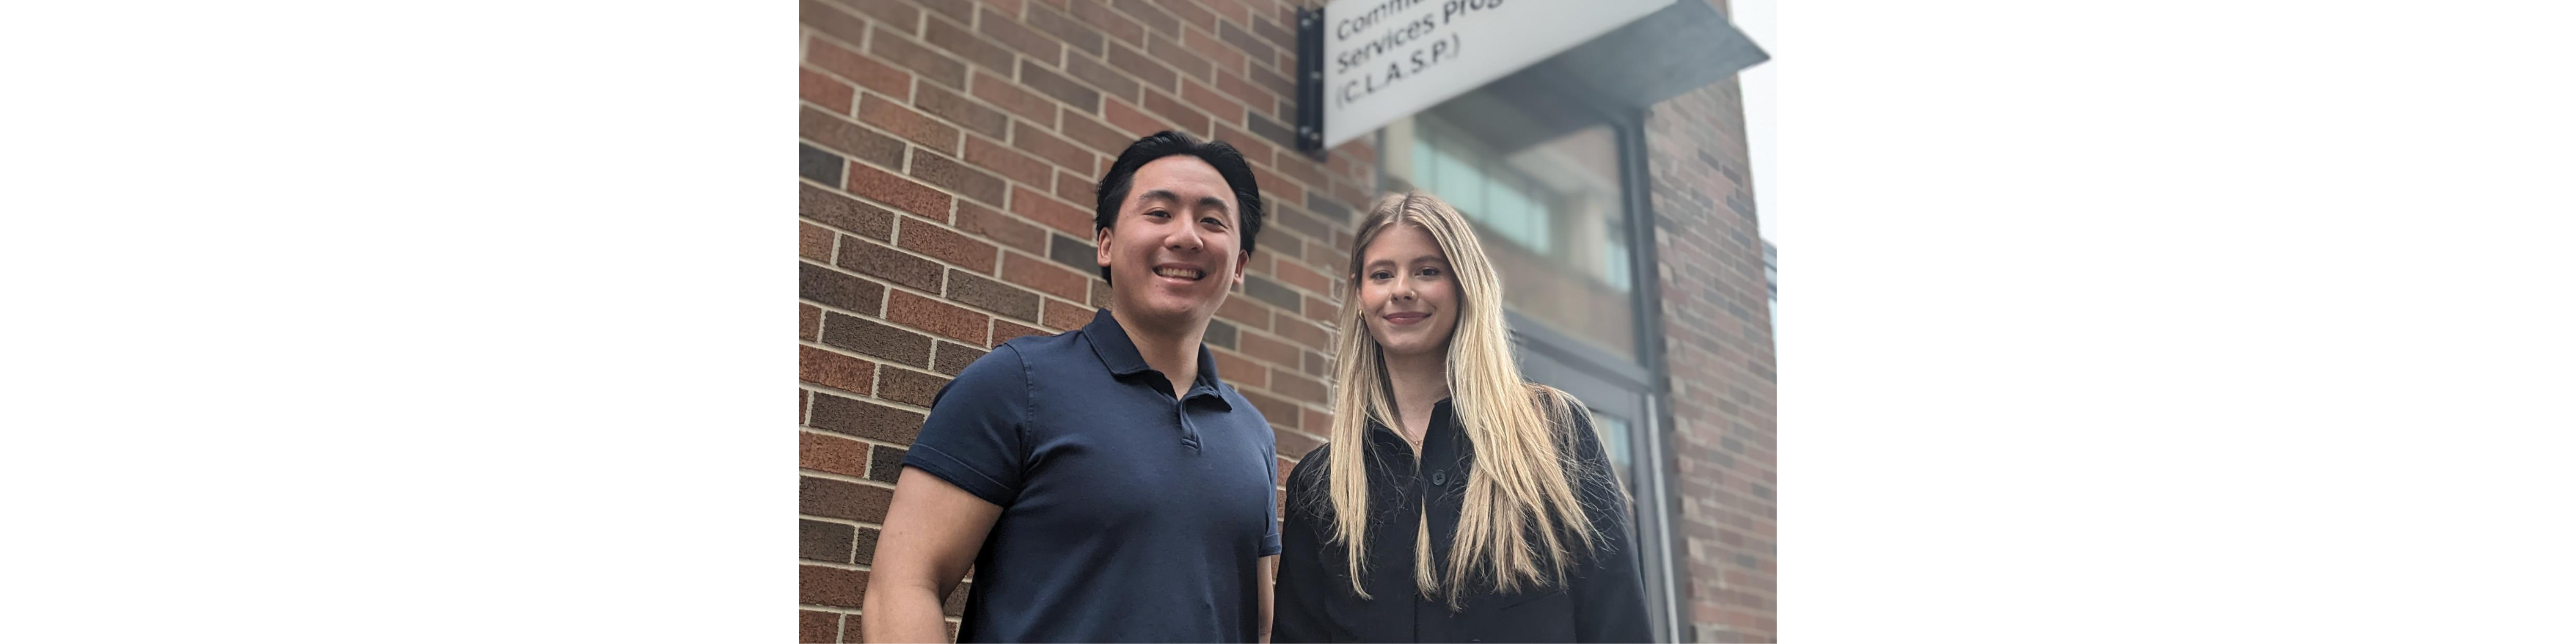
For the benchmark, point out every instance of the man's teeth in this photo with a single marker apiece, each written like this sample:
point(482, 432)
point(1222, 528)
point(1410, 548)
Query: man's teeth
point(1182, 273)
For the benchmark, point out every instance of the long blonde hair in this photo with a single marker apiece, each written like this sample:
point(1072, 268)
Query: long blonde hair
point(1520, 486)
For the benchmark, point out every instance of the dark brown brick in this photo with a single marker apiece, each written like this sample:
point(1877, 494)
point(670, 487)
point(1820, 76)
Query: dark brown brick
point(1242, 311)
point(848, 138)
point(932, 65)
point(864, 71)
point(864, 549)
point(827, 453)
point(824, 540)
point(844, 213)
point(919, 128)
point(893, 189)
point(834, 370)
point(818, 164)
point(1004, 330)
point(976, 49)
point(1190, 63)
point(945, 245)
point(946, 172)
point(1251, 45)
point(1243, 372)
point(834, 288)
point(1058, 87)
point(1076, 189)
point(1278, 411)
point(1081, 37)
point(1206, 99)
point(1153, 17)
point(1035, 140)
point(1258, 346)
point(1134, 61)
point(1095, 135)
point(1302, 332)
point(1099, 75)
point(870, 258)
point(1174, 112)
point(884, 465)
point(828, 586)
point(831, 20)
point(1189, 13)
point(1132, 120)
point(809, 322)
point(1013, 35)
point(818, 627)
point(1219, 56)
point(876, 339)
point(993, 296)
point(865, 419)
point(888, 11)
point(1011, 164)
point(1296, 386)
point(1272, 31)
point(1115, 25)
point(909, 387)
point(966, 114)
point(960, 11)
point(954, 357)
point(937, 317)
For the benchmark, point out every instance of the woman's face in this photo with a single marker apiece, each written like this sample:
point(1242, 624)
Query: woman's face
point(1408, 299)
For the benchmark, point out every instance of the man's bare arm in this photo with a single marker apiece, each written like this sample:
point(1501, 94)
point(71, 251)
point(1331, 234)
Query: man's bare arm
point(932, 530)
point(1269, 573)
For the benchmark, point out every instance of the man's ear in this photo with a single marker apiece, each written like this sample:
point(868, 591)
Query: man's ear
point(1241, 259)
point(1100, 244)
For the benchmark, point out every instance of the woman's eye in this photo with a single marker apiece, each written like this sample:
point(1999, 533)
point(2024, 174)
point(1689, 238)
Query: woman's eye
point(1379, 275)
point(1430, 272)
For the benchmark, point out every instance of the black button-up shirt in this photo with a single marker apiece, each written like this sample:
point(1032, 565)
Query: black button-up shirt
point(1603, 599)
point(1128, 514)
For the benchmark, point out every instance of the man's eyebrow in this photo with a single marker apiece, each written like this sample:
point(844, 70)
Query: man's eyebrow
point(1158, 193)
point(1211, 201)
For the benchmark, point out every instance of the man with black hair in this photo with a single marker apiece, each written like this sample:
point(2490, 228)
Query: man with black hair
point(1103, 483)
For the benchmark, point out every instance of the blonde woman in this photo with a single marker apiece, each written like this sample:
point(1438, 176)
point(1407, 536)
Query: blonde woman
point(1455, 502)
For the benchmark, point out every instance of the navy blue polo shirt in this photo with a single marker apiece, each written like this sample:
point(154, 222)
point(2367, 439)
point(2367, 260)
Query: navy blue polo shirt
point(1128, 515)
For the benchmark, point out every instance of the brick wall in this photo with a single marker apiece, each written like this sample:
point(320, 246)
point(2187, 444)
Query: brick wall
point(948, 151)
point(1717, 345)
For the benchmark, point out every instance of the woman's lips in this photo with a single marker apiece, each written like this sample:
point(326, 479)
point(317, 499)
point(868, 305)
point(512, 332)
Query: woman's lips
point(1406, 318)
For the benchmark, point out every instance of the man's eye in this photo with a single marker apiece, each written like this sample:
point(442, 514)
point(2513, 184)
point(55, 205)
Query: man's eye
point(1212, 221)
point(1157, 213)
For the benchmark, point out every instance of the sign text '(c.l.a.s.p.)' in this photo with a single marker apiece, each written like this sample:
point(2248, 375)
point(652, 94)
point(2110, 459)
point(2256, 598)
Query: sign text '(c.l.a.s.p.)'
point(1385, 59)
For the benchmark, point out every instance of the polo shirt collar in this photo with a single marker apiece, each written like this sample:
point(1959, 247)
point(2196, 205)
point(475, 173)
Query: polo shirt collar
point(1118, 352)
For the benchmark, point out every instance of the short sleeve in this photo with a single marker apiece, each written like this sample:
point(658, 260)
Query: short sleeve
point(1270, 537)
point(974, 436)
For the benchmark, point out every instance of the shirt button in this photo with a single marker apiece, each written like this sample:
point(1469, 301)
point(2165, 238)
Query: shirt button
point(1440, 477)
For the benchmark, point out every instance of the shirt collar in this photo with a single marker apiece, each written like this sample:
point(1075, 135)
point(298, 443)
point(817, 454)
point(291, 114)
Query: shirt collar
point(1118, 352)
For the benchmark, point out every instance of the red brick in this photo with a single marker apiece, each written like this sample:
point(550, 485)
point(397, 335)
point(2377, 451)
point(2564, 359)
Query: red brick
point(818, 627)
point(1277, 410)
point(1003, 229)
point(839, 134)
point(1075, 188)
point(1305, 171)
point(1244, 312)
point(938, 317)
point(834, 370)
point(1095, 135)
point(1170, 51)
point(863, 70)
point(954, 37)
point(1004, 330)
point(1098, 14)
point(1226, 110)
point(814, 242)
point(1009, 163)
point(1302, 332)
point(1055, 85)
point(1007, 7)
point(916, 127)
point(1066, 316)
point(1319, 422)
point(1045, 276)
point(1264, 348)
point(959, 11)
point(905, 53)
point(1297, 443)
point(888, 11)
point(1255, 149)
point(1134, 121)
point(1190, 13)
point(1239, 370)
point(831, 20)
point(1035, 140)
point(1054, 22)
point(957, 178)
point(1045, 209)
point(1299, 276)
point(875, 260)
point(965, 113)
point(1287, 382)
point(1233, 10)
point(809, 322)
point(1172, 111)
point(1008, 95)
point(909, 195)
point(1016, 36)
point(1273, 183)
point(1145, 68)
point(827, 586)
point(1224, 56)
point(828, 453)
point(945, 245)
point(822, 90)
point(1321, 310)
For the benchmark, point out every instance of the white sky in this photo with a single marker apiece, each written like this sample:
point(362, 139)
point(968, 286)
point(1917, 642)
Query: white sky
point(1755, 18)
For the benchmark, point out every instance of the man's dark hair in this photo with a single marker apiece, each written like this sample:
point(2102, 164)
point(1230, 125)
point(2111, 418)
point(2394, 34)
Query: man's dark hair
point(1229, 163)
